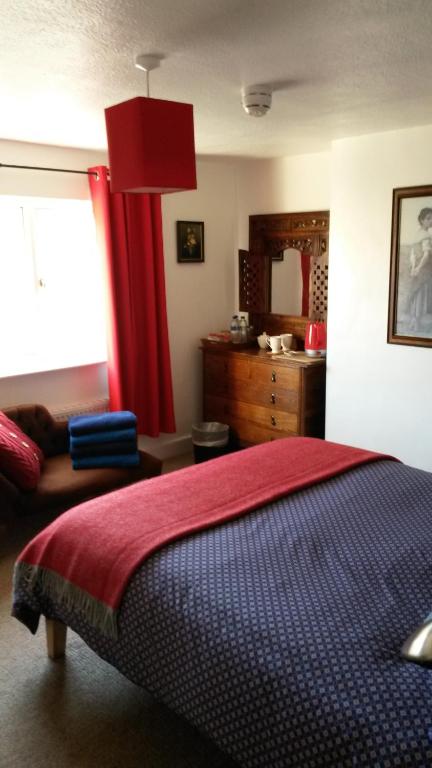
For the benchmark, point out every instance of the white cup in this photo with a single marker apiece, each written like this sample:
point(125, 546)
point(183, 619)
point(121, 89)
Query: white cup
point(286, 341)
point(262, 341)
point(275, 343)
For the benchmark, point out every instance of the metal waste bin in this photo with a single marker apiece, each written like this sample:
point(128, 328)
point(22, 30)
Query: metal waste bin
point(210, 440)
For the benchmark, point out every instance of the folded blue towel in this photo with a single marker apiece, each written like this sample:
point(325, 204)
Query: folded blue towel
point(94, 462)
point(103, 449)
point(100, 438)
point(100, 422)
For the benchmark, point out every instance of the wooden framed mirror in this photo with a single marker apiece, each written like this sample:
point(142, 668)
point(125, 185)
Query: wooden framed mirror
point(291, 247)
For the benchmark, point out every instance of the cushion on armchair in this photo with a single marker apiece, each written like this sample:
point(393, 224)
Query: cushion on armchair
point(37, 422)
point(61, 486)
point(20, 458)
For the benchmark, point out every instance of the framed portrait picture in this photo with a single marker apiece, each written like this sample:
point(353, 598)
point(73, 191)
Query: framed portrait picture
point(190, 241)
point(410, 294)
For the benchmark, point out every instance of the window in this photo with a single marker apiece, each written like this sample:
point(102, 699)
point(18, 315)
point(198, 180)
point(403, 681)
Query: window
point(52, 312)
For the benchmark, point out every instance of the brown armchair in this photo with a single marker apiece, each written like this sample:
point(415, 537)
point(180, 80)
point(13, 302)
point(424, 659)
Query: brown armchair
point(60, 486)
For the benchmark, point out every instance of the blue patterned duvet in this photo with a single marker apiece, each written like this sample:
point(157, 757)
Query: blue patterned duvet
point(278, 635)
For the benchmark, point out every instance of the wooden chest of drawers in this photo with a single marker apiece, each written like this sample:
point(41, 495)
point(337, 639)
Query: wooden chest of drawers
point(261, 396)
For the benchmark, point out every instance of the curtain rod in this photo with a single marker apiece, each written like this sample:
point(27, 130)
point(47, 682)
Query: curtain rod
point(39, 168)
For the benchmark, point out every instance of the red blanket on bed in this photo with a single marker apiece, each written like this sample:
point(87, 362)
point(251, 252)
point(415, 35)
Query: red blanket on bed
point(88, 555)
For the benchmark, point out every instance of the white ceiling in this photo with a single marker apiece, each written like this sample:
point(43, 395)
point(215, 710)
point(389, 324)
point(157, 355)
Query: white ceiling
point(338, 68)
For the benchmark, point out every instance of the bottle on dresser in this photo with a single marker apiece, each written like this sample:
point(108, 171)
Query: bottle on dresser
point(235, 330)
point(243, 330)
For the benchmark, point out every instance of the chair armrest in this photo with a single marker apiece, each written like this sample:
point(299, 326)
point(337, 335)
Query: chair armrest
point(10, 499)
point(150, 464)
point(59, 437)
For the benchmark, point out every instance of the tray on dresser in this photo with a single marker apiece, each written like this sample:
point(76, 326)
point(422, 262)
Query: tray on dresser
point(228, 344)
point(301, 357)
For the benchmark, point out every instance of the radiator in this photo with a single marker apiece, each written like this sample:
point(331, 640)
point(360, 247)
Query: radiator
point(62, 412)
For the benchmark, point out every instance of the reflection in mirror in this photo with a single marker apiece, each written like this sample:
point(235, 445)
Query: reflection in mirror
point(287, 283)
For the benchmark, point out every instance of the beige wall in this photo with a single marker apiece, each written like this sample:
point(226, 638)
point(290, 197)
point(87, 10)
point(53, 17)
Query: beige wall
point(378, 394)
point(44, 183)
point(299, 183)
point(200, 297)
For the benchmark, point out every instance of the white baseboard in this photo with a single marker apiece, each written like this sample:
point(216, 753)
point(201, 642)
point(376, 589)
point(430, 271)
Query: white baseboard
point(166, 446)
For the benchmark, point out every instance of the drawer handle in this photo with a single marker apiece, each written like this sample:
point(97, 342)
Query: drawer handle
point(273, 421)
point(272, 398)
point(273, 378)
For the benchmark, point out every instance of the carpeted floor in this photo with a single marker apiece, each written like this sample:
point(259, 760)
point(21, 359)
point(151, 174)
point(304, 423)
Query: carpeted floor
point(80, 712)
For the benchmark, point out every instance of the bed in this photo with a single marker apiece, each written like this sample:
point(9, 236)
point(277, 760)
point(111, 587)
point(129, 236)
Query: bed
point(277, 632)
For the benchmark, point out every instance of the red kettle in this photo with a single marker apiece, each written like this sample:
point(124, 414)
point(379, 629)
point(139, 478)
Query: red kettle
point(316, 338)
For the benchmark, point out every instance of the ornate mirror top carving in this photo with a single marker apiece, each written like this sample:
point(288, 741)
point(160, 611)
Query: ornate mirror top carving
point(270, 235)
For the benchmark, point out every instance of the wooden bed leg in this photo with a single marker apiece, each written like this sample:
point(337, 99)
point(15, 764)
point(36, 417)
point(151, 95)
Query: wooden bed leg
point(56, 638)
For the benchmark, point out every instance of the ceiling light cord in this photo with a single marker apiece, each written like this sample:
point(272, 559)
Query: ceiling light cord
point(147, 62)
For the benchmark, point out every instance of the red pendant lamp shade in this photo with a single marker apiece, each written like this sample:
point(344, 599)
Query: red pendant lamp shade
point(151, 146)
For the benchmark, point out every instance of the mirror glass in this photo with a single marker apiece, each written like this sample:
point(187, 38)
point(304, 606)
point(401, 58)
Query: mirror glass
point(287, 283)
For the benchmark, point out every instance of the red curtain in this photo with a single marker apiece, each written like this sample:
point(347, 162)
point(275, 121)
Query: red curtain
point(129, 229)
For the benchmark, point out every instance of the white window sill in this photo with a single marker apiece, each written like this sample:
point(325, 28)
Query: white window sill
point(28, 368)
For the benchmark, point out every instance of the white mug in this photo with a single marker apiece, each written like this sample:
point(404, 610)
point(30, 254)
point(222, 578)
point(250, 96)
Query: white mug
point(286, 341)
point(274, 343)
point(262, 340)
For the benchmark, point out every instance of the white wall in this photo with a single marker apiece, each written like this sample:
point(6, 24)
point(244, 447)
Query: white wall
point(200, 297)
point(378, 394)
point(46, 183)
point(298, 183)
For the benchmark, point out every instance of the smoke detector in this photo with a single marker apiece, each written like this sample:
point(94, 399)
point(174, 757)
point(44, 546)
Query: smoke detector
point(256, 100)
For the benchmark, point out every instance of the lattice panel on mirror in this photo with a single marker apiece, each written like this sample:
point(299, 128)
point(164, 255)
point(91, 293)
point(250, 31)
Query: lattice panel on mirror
point(318, 285)
point(253, 275)
point(269, 234)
